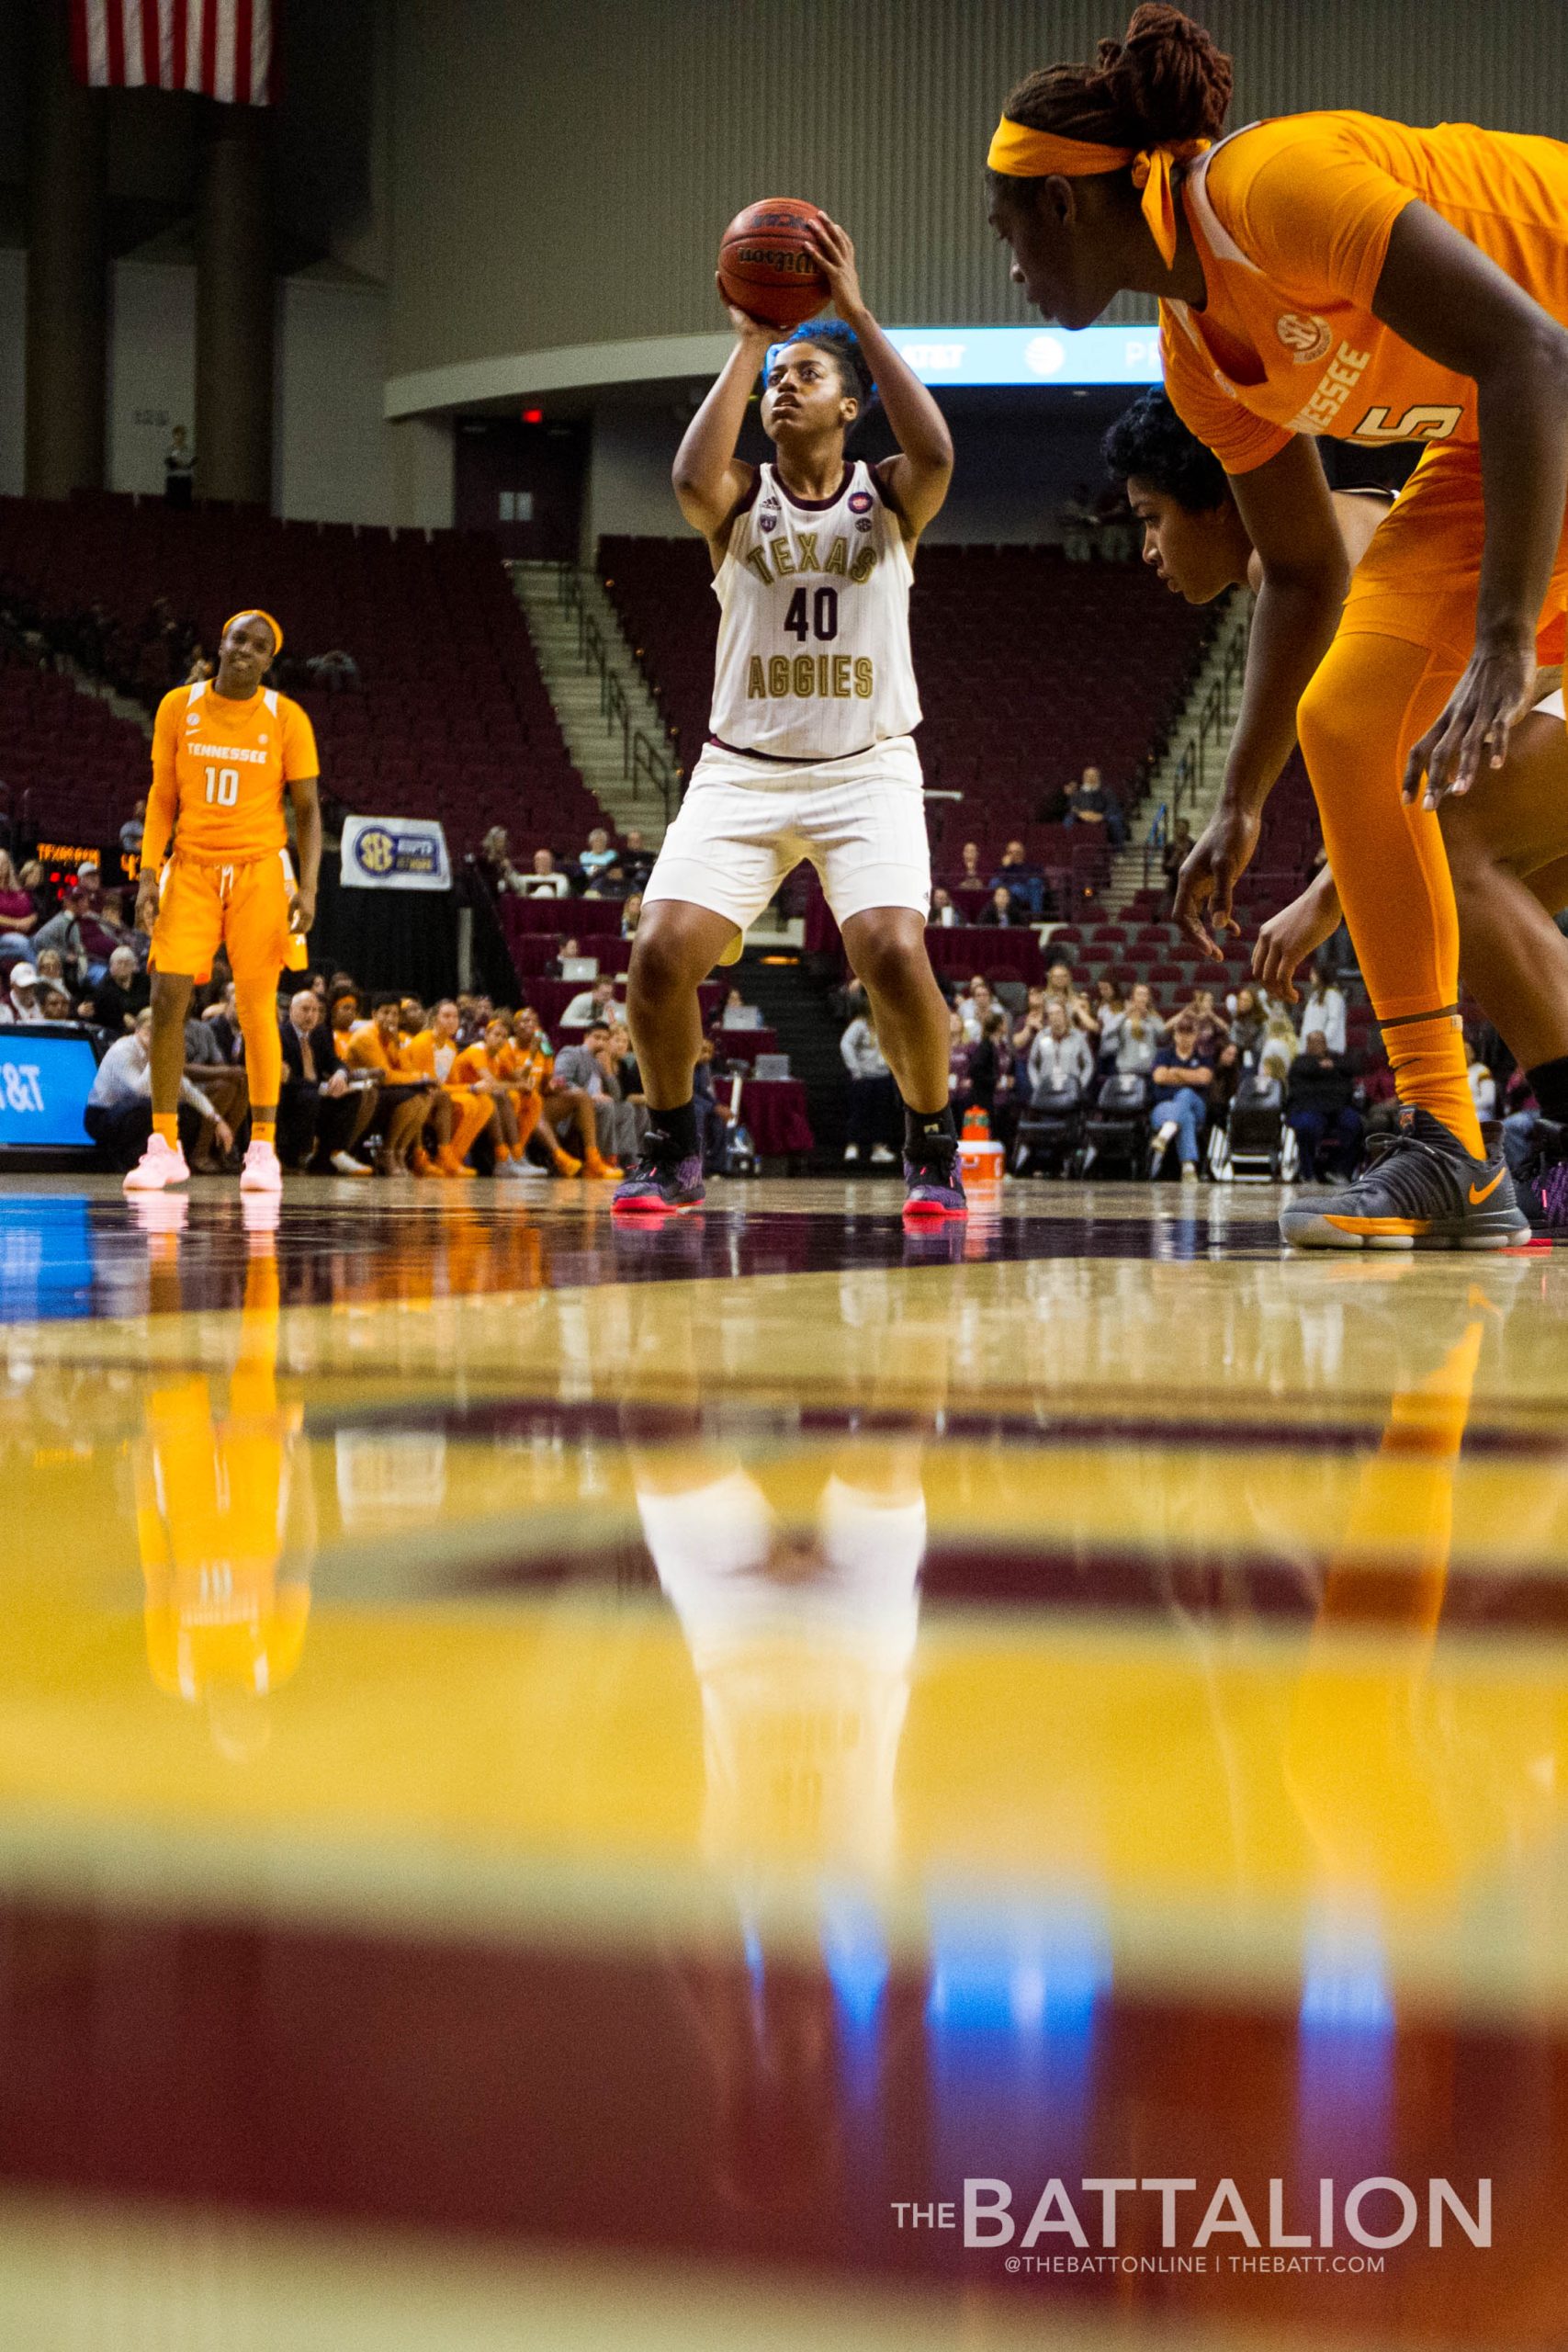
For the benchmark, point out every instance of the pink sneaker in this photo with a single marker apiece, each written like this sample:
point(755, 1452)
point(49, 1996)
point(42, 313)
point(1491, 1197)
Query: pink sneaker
point(263, 1172)
point(158, 1167)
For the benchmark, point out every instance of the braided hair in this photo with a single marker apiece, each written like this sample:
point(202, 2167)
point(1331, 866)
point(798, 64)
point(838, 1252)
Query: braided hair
point(1165, 81)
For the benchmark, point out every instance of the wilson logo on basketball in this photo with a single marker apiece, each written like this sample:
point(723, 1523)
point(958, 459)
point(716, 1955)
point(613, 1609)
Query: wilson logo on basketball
point(782, 262)
point(1306, 336)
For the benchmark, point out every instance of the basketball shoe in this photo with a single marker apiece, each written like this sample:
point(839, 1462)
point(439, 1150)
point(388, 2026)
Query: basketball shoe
point(1541, 1184)
point(1423, 1191)
point(932, 1185)
point(661, 1183)
point(158, 1165)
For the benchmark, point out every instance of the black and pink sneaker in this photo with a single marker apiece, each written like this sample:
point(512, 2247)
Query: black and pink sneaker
point(1541, 1187)
point(932, 1185)
point(660, 1186)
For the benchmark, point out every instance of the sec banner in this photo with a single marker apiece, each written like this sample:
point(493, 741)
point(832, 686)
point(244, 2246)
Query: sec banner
point(395, 854)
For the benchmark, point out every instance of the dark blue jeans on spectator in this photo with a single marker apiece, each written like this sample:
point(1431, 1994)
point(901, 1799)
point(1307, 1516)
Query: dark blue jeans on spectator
point(1186, 1110)
point(1337, 1136)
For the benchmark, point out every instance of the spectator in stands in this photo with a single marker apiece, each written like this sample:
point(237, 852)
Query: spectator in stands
point(566, 953)
point(944, 913)
point(19, 916)
point(121, 993)
point(119, 1111)
point(1030, 1022)
point(874, 1098)
point(958, 1055)
point(1174, 856)
point(1212, 1026)
point(87, 930)
point(334, 669)
point(1060, 984)
point(321, 1114)
point(970, 890)
point(50, 969)
point(994, 1077)
point(595, 1003)
point(631, 914)
point(1004, 911)
point(1319, 1106)
point(623, 1064)
point(1229, 1071)
point(1323, 1007)
point(543, 882)
point(738, 1013)
point(597, 858)
point(1181, 1080)
point(225, 1085)
point(586, 1100)
point(1025, 880)
point(55, 1003)
point(1061, 1055)
point(222, 1017)
point(1248, 1021)
point(133, 830)
point(1482, 1085)
point(1132, 1040)
point(1279, 1047)
point(636, 860)
point(22, 1007)
point(973, 1006)
point(1090, 804)
point(714, 1122)
point(179, 469)
point(495, 861)
point(1079, 522)
point(199, 667)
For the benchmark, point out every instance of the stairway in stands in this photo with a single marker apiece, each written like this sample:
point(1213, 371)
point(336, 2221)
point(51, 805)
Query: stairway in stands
point(796, 1008)
point(1186, 780)
point(580, 648)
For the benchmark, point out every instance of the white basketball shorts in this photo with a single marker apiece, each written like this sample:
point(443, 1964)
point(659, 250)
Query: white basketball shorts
point(745, 824)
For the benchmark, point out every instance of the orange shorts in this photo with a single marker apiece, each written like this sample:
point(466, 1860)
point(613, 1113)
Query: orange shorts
point(243, 908)
point(1418, 579)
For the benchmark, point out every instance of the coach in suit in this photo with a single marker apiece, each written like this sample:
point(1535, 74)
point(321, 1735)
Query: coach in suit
point(321, 1112)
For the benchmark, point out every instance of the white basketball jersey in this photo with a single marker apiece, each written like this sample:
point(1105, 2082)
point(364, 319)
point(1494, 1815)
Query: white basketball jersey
point(813, 634)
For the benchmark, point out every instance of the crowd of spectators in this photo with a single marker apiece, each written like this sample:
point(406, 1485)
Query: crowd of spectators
point(599, 870)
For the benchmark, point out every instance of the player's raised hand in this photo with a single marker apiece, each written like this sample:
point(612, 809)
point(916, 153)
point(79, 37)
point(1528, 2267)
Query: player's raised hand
point(1472, 734)
point(1221, 854)
point(833, 250)
point(749, 329)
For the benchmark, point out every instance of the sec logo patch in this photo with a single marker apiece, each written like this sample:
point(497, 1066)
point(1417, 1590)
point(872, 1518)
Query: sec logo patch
point(1304, 335)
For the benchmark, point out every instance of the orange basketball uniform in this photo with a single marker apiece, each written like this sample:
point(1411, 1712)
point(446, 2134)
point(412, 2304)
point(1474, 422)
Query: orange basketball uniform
point(1291, 221)
point(367, 1049)
point(438, 1059)
point(476, 1062)
point(219, 773)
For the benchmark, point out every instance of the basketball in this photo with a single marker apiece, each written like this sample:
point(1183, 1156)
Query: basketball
point(765, 265)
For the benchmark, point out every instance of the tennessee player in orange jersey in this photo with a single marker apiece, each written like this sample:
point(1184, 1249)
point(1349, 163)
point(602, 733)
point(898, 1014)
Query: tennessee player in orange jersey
point(434, 1051)
point(224, 751)
point(408, 1095)
point(490, 1067)
point(1336, 274)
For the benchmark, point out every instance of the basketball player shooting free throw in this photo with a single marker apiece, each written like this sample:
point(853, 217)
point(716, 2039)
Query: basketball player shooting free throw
point(809, 751)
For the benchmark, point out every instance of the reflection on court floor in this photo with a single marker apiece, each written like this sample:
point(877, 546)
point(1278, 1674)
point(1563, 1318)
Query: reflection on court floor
point(683, 1750)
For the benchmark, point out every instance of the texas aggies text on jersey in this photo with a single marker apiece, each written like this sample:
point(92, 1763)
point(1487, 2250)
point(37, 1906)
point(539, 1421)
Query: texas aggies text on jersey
point(1292, 219)
point(814, 639)
point(223, 766)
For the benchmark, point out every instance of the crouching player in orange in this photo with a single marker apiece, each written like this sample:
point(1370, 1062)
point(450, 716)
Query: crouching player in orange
point(435, 1053)
point(224, 751)
point(490, 1068)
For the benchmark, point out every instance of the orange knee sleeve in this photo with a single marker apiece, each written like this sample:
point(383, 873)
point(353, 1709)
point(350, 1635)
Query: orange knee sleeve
point(1371, 699)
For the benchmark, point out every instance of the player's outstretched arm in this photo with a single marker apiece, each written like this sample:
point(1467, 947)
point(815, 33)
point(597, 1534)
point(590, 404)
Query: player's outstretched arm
point(303, 793)
point(710, 480)
point(1448, 300)
point(918, 477)
point(163, 802)
point(1290, 518)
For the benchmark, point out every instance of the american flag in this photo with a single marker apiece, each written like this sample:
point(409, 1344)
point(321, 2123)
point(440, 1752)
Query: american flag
point(217, 49)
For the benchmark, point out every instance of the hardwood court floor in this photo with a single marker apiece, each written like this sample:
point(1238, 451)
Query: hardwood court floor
point(557, 1783)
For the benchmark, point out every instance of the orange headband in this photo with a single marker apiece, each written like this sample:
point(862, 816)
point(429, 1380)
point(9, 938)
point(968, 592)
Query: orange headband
point(254, 613)
point(1021, 154)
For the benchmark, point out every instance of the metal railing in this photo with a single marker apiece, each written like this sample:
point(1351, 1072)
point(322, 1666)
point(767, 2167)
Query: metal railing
point(643, 761)
point(1210, 732)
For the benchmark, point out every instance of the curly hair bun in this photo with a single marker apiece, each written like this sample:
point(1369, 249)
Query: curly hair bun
point(1171, 75)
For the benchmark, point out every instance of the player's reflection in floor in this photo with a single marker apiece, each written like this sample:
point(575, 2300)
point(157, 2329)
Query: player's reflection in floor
point(226, 1528)
point(799, 1595)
